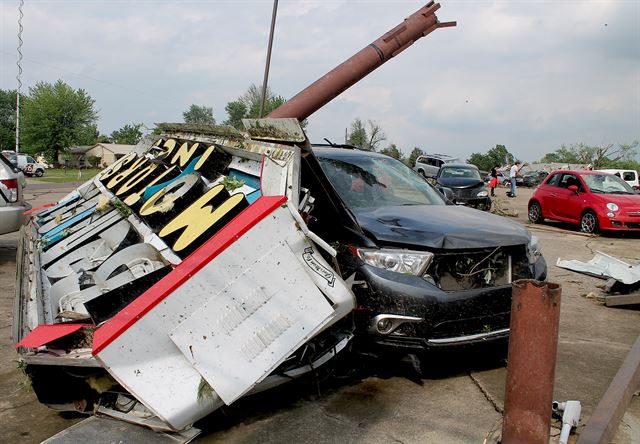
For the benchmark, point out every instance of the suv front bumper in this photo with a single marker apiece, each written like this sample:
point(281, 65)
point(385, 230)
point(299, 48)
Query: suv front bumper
point(424, 317)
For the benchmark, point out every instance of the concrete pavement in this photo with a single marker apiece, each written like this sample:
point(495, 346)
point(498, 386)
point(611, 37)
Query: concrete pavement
point(459, 399)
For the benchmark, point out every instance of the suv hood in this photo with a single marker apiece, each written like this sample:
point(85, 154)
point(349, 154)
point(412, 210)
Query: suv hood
point(440, 227)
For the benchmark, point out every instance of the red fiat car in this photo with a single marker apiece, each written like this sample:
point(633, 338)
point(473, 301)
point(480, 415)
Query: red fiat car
point(593, 199)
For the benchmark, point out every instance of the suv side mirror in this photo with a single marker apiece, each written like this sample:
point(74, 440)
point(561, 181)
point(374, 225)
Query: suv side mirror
point(573, 188)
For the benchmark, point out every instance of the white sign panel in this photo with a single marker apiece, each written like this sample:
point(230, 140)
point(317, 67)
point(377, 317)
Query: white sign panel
point(245, 331)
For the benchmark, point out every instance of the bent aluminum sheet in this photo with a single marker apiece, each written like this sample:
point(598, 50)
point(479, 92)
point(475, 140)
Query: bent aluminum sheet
point(604, 266)
point(239, 335)
point(165, 357)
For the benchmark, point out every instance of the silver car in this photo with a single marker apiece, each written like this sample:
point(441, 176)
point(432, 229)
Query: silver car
point(12, 204)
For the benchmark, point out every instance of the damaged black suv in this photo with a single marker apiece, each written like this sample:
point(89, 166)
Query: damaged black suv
point(425, 273)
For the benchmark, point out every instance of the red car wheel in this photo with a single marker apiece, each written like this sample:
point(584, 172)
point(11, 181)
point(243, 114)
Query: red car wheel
point(535, 213)
point(589, 222)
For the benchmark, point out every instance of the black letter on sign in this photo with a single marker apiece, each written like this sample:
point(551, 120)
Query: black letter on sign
point(202, 219)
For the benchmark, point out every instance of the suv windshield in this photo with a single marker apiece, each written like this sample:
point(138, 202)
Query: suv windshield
point(363, 181)
point(607, 184)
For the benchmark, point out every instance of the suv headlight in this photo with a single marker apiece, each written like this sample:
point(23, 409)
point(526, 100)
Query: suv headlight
point(533, 250)
point(483, 193)
point(400, 261)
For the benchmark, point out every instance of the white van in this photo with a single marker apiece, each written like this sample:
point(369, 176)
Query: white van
point(27, 164)
point(629, 176)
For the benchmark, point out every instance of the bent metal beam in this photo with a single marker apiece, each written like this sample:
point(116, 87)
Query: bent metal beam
point(339, 79)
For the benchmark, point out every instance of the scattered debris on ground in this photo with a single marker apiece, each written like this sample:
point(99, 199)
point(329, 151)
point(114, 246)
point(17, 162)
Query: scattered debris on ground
point(622, 279)
point(499, 207)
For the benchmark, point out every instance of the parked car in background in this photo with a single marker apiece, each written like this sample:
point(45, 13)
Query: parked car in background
point(532, 178)
point(427, 274)
point(629, 176)
point(466, 184)
point(503, 179)
point(429, 164)
point(12, 204)
point(593, 199)
point(27, 164)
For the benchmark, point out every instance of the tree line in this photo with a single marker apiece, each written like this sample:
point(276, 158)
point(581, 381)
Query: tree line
point(609, 155)
point(55, 117)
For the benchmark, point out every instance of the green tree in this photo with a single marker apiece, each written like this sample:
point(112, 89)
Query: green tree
point(247, 106)
point(596, 155)
point(7, 119)
point(357, 135)
point(57, 117)
point(367, 137)
point(561, 155)
point(236, 111)
point(415, 153)
point(498, 155)
point(392, 151)
point(199, 114)
point(128, 134)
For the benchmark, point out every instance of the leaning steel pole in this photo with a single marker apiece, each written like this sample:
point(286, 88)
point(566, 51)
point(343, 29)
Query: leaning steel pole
point(323, 90)
point(268, 63)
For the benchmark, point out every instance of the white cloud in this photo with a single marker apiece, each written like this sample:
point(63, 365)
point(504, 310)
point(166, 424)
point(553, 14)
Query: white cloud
point(529, 74)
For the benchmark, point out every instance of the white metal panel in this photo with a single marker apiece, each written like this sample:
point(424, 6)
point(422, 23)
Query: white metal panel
point(81, 236)
point(245, 331)
point(603, 265)
point(146, 361)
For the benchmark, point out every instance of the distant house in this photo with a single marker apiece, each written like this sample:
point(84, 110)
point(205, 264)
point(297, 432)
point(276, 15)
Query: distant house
point(100, 155)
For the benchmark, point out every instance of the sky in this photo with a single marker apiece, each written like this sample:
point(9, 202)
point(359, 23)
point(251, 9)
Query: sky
point(530, 75)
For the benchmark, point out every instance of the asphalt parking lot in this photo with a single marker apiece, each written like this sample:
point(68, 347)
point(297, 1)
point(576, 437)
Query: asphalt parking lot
point(458, 398)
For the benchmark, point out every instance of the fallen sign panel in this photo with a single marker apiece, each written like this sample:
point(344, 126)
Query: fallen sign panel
point(604, 266)
point(199, 278)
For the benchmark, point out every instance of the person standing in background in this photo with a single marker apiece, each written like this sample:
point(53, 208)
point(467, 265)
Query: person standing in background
point(494, 180)
point(513, 172)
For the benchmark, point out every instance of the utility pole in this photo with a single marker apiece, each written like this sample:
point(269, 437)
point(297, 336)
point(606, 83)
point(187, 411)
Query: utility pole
point(266, 66)
point(19, 76)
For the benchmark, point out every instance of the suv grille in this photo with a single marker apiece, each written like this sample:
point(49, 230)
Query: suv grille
point(479, 268)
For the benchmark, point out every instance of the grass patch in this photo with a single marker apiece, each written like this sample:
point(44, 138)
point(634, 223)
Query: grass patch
point(60, 175)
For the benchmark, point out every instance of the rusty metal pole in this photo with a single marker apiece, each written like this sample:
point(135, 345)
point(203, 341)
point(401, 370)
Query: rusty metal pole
point(323, 90)
point(533, 343)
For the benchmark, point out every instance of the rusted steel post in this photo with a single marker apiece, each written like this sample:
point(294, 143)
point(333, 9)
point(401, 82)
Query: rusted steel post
point(535, 316)
point(323, 90)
